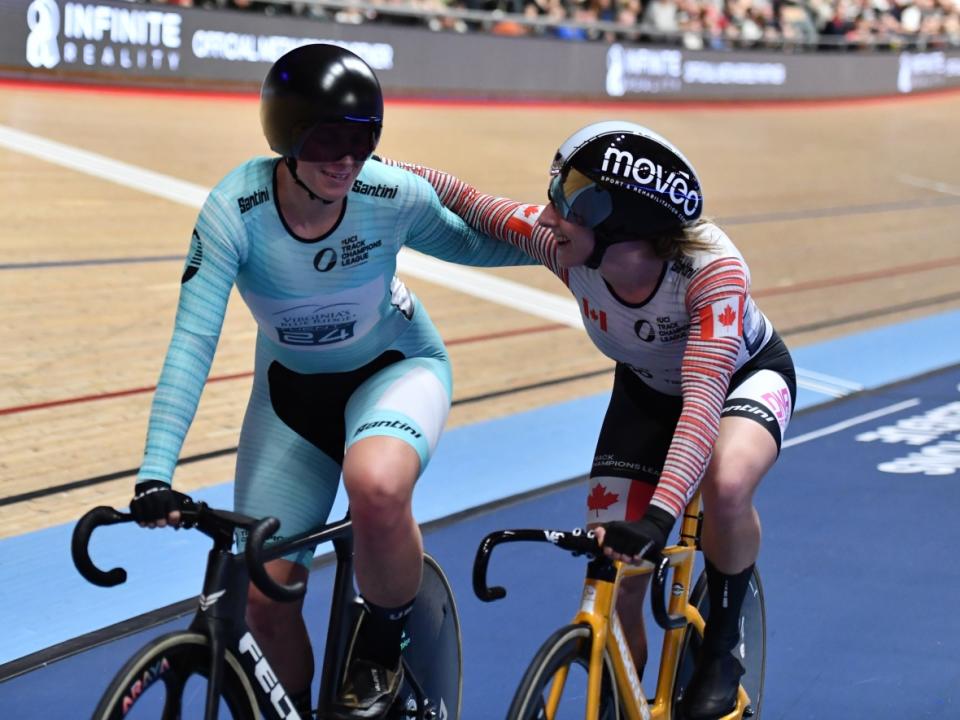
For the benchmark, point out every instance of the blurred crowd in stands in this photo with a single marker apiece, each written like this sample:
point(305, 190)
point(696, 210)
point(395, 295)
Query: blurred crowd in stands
point(693, 24)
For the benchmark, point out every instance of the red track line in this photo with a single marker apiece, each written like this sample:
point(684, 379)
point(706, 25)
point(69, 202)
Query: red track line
point(763, 292)
point(237, 376)
point(858, 277)
point(105, 396)
point(648, 104)
point(507, 333)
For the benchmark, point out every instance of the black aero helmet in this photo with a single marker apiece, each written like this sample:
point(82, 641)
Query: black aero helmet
point(624, 181)
point(320, 102)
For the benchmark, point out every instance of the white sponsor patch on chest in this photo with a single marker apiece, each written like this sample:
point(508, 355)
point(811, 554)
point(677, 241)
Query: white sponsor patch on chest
point(320, 321)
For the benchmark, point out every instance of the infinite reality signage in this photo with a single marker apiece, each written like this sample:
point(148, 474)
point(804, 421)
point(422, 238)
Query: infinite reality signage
point(118, 40)
point(151, 39)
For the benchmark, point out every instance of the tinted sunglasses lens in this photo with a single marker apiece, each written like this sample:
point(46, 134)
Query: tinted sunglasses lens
point(556, 196)
point(579, 200)
point(330, 142)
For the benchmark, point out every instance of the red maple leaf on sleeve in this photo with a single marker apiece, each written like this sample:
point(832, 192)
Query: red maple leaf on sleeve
point(600, 499)
point(728, 316)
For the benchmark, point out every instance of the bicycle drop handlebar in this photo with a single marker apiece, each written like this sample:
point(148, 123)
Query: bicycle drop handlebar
point(262, 531)
point(577, 542)
point(216, 524)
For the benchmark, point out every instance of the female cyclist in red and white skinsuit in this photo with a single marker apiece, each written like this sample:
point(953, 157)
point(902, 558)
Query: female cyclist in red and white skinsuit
point(704, 387)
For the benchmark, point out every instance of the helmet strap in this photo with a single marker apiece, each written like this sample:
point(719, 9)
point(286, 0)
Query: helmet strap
point(291, 164)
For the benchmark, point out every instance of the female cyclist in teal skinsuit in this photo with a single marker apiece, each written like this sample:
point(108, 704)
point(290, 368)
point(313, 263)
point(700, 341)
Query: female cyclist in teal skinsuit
point(350, 376)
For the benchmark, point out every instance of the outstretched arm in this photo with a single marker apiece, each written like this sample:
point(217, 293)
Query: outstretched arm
point(437, 231)
point(506, 220)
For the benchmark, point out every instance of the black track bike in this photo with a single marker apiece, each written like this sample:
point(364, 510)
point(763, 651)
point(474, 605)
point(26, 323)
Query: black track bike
point(215, 668)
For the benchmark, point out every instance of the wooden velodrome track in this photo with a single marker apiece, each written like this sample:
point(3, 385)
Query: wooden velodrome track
point(846, 213)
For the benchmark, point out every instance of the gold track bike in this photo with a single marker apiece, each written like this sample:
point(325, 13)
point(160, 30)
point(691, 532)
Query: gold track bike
point(584, 669)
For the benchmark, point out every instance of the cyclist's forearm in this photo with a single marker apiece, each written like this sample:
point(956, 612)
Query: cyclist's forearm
point(175, 402)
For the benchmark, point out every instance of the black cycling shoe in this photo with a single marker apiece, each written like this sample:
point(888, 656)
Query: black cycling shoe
point(712, 692)
point(368, 691)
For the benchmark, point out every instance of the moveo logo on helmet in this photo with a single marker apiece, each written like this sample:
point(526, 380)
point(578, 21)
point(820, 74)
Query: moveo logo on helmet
point(673, 186)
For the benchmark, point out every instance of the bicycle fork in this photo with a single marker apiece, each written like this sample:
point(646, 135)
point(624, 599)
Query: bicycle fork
point(217, 603)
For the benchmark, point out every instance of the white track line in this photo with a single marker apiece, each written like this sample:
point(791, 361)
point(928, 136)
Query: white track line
point(823, 388)
point(557, 308)
point(930, 185)
point(844, 424)
point(549, 306)
point(829, 380)
point(113, 170)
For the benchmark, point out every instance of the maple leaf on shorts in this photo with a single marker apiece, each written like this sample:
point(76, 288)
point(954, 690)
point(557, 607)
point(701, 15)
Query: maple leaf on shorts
point(600, 499)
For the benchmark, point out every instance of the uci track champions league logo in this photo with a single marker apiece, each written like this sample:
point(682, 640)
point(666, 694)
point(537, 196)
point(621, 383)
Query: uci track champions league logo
point(93, 35)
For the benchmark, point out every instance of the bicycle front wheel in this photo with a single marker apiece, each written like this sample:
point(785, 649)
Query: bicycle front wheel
point(432, 650)
point(751, 651)
point(567, 651)
point(166, 680)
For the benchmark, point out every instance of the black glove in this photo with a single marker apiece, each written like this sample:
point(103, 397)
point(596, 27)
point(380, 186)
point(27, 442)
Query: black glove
point(153, 500)
point(645, 537)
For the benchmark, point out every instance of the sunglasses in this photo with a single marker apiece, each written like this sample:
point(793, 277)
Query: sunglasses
point(329, 142)
point(578, 199)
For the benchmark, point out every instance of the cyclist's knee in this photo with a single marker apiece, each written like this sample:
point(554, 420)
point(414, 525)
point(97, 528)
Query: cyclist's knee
point(378, 499)
point(727, 499)
point(743, 454)
point(729, 486)
point(380, 488)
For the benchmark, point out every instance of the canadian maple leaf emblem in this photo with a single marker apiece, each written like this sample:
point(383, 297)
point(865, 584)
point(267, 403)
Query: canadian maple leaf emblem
point(529, 210)
point(728, 316)
point(600, 499)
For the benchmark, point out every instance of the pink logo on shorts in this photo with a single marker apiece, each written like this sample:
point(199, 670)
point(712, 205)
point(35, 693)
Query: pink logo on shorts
point(779, 402)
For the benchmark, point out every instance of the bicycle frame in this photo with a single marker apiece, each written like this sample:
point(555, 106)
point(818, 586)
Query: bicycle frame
point(220, 612)
point(220, 616)
point(598, 611)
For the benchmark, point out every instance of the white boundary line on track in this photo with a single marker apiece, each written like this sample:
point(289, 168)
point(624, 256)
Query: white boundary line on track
point(822, 388)
point(930, 185)
point(549, 306)
point(546, 305)
point(844, 424)
point(115, 171)
point(840, 383)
